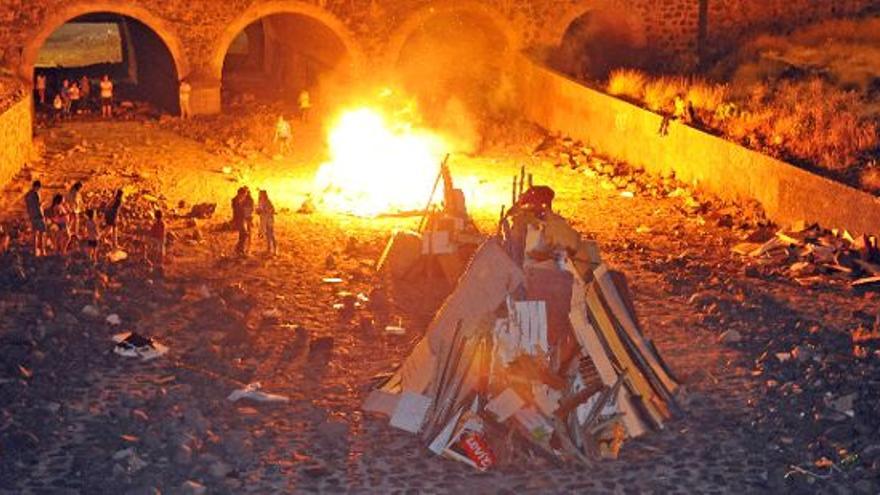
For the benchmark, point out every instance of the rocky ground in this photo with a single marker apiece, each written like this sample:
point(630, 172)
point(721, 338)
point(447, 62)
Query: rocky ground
point(76, 418)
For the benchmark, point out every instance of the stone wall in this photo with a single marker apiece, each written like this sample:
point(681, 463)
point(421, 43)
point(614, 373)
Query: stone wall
point(16, 146)
point(197, 32)
point(730, 21)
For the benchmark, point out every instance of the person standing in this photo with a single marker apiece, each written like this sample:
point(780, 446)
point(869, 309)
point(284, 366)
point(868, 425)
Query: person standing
point(74, 206)
point(65, 96)
point(34, 207)
point(106, 97)
point(57, 108)
point(158, 237)
point(58, 215)
point(242, 220)
point(283, 135)
point(111, 217)
point(92, 235)
point(41, 89)
point(85, 91)
point(185, 93)
point(266, 211)
point(305, 105)
point(74, 98)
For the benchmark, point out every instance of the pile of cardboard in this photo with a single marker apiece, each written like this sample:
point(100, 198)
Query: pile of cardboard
point(537, 351)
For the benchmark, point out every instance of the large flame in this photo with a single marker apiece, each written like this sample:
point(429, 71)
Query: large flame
point(379, 163)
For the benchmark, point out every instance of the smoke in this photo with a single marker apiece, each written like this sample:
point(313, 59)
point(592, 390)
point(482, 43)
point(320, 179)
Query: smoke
point(453, 73)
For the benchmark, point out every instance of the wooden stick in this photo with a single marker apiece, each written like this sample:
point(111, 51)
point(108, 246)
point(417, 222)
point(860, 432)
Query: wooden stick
point(433, 192)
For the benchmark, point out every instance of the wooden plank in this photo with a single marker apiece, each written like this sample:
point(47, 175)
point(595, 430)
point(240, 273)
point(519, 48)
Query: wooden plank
point(592, 345)
point(619, 310)
point(653, 403)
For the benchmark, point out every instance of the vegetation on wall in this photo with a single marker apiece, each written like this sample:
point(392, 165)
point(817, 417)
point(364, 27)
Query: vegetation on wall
point(810, 98)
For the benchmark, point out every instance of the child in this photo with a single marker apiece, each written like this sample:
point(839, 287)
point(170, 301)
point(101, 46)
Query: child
point(266, 210)
point(92, 236)
point(58, 215)
point(111, 217)
point(157, 237)
point(57, 109)
point(74, 206)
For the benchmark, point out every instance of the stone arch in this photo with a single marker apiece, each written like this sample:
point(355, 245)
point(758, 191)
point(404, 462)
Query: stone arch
point(275, 7)
point(71, 11)
point(415, 21)
point(613, 27)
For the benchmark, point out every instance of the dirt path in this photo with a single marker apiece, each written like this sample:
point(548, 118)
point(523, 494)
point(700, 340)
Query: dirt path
point(66, 427)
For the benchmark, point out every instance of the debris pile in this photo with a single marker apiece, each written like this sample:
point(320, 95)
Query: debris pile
point(810, 254)
point(630, 180)
point(536, 352)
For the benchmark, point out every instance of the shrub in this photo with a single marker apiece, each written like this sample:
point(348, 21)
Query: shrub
point(707, 96)
point(629, 83)
point(660, 93)
point(870, 178)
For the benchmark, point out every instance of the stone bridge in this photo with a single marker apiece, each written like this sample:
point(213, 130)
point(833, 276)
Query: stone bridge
point(369, 36)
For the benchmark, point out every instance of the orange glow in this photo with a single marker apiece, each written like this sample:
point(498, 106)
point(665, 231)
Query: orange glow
point(379, 163)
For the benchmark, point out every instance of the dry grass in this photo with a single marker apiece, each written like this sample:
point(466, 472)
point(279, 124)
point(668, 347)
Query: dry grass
point(707, 96)
point(628, 83)
point(811, 121)
point(807, 97)
point(660, 93)
point(870, 178)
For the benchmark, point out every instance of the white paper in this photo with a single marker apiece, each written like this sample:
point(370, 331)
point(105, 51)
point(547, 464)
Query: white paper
point(410, 412)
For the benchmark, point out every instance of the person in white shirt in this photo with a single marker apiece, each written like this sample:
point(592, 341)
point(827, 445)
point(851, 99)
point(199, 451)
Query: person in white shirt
point(305, 105)
point(106, 96)
point(283, 135)
point(41, 89)
point(185, 93)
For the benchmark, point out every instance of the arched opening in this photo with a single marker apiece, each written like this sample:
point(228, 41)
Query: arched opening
point(597, 42)
point(457, 63)
point(91, 45)
point(279, 55)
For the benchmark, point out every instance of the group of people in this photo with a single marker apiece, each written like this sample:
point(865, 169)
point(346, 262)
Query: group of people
point(243, 210)
point(67, 224)
point(75, 96)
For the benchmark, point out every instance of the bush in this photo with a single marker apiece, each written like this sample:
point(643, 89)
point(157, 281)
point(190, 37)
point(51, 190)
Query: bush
point(870, 178)
point(707, 96)
point(629, 83)
point(660, 93)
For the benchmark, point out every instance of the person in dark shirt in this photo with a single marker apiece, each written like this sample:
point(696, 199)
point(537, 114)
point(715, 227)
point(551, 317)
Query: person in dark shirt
point(34, 206)
point(243, 219)
point(111, 217)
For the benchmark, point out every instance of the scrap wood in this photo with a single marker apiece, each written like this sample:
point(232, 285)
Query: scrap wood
point(625, 317)
point(871, 268)
point(866, 281)
point(596, 348)
point(622, 355)
point(563, 435)
point(570, 402)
